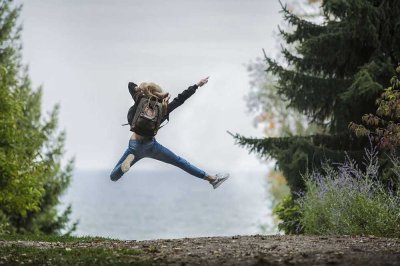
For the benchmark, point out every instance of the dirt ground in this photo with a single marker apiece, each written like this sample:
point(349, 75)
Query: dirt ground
point(251, 250)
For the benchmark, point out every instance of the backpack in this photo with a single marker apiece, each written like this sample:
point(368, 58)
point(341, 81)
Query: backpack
point(147, 118)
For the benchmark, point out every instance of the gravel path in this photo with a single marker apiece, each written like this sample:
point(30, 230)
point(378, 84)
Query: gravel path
point(251, 250)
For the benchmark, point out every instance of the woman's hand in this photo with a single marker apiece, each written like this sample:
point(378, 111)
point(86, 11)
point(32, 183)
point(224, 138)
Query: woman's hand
point(203, 81)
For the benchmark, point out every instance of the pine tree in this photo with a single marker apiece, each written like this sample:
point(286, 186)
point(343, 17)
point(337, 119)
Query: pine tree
point(31, 175)
point(335, 74)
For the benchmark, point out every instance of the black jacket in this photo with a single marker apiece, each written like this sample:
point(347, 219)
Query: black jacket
point(176, 102)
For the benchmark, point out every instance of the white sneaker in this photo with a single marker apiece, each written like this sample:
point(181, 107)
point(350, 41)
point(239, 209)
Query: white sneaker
point(220, 178)
point(126, 164)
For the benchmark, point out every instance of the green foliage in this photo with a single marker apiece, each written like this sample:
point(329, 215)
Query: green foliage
point(31, 175)
point(291, 153)
point(5, 226)
point(18, 255)
point(346, 200)
point(383, 127)
point(51, 238)
point(288, 211)
point(67, 250)
point(273, 113)
point(332, 73)
point(272, 110)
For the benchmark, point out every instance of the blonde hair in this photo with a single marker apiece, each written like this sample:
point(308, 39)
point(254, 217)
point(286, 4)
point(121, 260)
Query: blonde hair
point(152, 89)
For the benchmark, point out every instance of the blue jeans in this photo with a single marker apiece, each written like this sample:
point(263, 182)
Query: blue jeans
point(152, 149)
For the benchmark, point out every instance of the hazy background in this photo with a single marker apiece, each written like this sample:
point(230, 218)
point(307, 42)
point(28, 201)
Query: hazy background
point(84, 53)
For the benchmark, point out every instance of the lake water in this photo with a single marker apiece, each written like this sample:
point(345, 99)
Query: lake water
point(169, 204)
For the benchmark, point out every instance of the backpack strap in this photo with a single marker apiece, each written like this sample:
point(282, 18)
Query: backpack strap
point(164, 124)
point(142, 102)
point(159, 110)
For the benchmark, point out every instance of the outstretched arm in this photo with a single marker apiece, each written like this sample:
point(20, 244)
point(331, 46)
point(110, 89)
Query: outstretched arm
point(183, 96)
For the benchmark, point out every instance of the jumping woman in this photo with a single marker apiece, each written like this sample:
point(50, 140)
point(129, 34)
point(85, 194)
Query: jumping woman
point(151, 108)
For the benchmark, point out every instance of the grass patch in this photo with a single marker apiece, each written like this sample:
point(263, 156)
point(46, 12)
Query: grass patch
point(52, 238)
point(17, 255)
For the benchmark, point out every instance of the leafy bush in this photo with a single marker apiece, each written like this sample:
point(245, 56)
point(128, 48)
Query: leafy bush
point(5, 226)
point(288, 211)
point(383, 126)
point(349, 199)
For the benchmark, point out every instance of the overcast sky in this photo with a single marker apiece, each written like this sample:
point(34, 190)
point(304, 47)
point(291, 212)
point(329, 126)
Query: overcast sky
point(84, 53)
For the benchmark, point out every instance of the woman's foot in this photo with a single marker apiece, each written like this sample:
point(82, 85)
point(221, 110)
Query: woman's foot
point(217, 180)
point(126, 164)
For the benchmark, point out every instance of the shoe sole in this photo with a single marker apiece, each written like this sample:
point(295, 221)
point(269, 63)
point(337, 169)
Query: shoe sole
point(126, 164)
point(219, 183)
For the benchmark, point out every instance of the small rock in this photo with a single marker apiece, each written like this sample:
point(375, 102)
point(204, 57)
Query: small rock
point(272, 247)
point(357, 249)
point(304, 255)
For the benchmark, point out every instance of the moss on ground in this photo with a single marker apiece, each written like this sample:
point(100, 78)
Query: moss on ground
point(51, 238)
point(17, 254)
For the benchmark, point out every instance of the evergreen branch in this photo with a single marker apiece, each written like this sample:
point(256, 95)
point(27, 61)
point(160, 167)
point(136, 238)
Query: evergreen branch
point(295, 155)
point(303, 29)
point(311, 95)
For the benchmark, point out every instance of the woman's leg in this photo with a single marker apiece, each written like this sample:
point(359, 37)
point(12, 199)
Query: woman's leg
point(163, 154)
point(118, 171)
